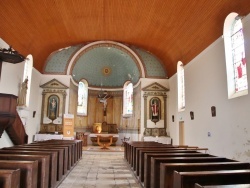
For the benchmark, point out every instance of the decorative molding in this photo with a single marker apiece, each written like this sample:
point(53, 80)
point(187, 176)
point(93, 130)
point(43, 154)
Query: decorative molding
point(54, 84)
point(155, 87)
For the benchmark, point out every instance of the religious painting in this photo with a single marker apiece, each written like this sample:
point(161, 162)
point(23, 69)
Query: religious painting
point(155, 109)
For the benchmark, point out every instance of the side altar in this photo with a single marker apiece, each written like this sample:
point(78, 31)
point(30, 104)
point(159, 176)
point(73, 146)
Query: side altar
point(103, 132)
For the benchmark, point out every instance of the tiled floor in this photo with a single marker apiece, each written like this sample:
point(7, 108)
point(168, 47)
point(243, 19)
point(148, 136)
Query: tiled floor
point(101, 170)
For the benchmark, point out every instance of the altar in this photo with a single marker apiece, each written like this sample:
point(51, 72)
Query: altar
point(103, 138)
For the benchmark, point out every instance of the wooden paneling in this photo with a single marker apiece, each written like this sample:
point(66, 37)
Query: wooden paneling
point(172, 30)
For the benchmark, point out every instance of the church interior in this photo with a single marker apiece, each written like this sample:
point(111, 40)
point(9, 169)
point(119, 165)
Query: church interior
point(114, 72)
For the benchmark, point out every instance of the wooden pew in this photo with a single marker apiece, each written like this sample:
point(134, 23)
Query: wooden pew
point(142, 151)
point(10, 178)
point(52, 165)
point(149, 145)
point(29, 171)
point(73, 146)
point(223, 186)
point(153, 145)
point(137, 153)
point(162, 156)
point(167, 170)
point(222, 177)
point(143, 145)
point(131, 147)
point(77, 147)
point(70, 150)
point(63, 148)
point(60, 154)
point(43, 166)
point(128, 148)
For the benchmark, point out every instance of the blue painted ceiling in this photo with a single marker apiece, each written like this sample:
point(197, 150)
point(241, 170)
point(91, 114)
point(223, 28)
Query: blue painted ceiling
point(105, 64)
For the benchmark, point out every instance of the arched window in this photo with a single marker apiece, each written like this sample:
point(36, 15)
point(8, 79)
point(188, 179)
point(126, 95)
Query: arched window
point(27, 73)
point(181, 86)
point(235, 56)
point(128, 99)
point(82, 104)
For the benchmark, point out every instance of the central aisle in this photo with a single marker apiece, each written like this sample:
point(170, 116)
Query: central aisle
point(101, 170)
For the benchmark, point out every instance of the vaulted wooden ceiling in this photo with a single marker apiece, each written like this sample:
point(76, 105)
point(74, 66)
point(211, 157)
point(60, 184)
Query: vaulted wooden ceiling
point(173, 30)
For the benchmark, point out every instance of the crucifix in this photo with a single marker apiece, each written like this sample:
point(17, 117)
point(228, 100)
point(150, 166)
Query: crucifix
point(103, 98)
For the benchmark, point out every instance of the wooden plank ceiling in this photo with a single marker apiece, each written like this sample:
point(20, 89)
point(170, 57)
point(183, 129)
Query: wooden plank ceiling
point(173, 30)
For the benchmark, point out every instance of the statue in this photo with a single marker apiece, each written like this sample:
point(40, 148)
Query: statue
point(103, 98)
point(53, 108)
point(155, 108)
point(23, 93)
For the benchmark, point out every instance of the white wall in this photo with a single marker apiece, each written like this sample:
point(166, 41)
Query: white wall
point(206, 86)
point(11, 78)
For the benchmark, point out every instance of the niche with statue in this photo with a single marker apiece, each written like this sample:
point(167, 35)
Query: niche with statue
point(53, 106)
point(155, 102)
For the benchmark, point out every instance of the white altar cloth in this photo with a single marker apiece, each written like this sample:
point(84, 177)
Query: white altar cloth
point(41, 137)
point(93, 135)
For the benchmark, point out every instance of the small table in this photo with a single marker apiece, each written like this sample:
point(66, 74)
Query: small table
point(104, 137)
point(104, 145)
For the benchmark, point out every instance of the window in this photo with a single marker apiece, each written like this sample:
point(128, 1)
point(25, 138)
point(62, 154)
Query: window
point(27, 73)
point(181, 86)
point(82, 104)
point(235, 56)
point(128, 99)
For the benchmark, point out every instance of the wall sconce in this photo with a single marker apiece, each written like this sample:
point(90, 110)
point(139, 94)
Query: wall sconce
point(213, 111)
point(172, 118)
point(191, 115)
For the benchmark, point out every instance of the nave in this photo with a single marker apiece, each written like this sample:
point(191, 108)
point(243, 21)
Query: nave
point(101, 170)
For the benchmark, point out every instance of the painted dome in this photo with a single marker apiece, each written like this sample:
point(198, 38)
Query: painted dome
point(105, 64)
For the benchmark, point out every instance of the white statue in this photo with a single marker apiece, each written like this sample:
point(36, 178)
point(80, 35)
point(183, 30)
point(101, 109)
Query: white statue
point(23, 93)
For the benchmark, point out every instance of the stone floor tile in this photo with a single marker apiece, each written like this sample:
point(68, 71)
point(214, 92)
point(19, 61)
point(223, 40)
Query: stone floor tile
point(101, 170)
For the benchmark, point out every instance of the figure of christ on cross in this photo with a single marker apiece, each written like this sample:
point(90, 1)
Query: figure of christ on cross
point(104, 100)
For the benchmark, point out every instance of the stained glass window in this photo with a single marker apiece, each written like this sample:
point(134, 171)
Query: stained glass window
point(82, 104)
point(238, 55)
point(27, 73)
point(128, 99)
point(181, 86)
point(235, 56)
